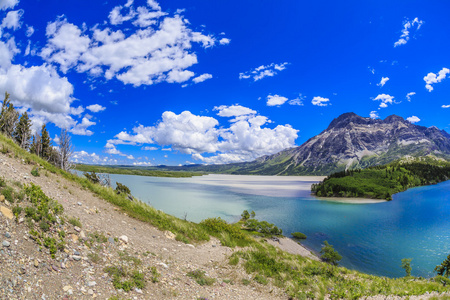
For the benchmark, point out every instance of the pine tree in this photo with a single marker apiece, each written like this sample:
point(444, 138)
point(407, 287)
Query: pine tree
point(22, 134)
point(36, 145)
point(9, 117)
point(46, 147)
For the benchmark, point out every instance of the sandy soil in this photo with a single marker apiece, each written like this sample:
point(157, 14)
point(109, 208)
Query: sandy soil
point(291, 246)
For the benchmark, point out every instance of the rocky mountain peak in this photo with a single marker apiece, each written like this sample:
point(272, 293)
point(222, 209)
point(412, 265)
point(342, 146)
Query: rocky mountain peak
point(393, 119)
point(345, 119)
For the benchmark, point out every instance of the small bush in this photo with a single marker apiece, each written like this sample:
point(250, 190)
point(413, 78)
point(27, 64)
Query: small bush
point(35, 172)
point(155, 275)
point(17, 210)
point(75, 222)
point(94, 257)
point(8, 192)
point(44, 226)
point(299, 235)
point(122, 189)
point(200, 277)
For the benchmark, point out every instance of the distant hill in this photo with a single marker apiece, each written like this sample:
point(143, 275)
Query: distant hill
point(349, 142)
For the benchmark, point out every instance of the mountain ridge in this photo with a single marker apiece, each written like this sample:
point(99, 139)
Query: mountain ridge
point(350, 141)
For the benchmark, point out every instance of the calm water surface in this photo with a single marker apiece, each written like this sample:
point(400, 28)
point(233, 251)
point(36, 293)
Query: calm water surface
point(372, 238)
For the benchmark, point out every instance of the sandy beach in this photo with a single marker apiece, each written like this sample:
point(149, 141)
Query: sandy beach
point(291, 246)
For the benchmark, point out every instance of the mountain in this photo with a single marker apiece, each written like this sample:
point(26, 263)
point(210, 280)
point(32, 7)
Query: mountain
point(350, 141)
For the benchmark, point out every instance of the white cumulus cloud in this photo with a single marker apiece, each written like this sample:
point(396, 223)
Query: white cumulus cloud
point(245, 139)
point(413, 119)
point(320, 101)
point(383, 81)
point(385, 100)
point(263, 71)
point(12, 19)
point(407, 26)
point(95, 108)
point(432, 78)
point(151, 46)
point(409, 95)
point(7, 4)
point(202, 78)
point(374, 114)
point(276, 100)
point(446, 106)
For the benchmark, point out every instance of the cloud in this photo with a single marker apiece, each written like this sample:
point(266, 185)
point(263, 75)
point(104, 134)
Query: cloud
point(297, 101)
point(148, 148)
point(413, 119)
point(30, 31)
point(445, 106)
point(149, 48)
point(202, 78)
point(432, 78)
point(81, 128)
point(374, 114)
point(224, 41)
point(383, 81)
point(409, 95)
point(245, 139)
point(95, 108)
point(320, 101)
point(385, 99)
point(276, 100)
point(233, 110)
point(407, 26)
point(65, 44)
point(263, 71)
point(6, 4)
point(12, 19)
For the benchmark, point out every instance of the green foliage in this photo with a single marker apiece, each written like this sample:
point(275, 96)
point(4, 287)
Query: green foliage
point(122, 189)
point(155, 274)
point(35, 172)
point(17, 210)
point(126, 280)
point(98, 237)
point(92, 177)
point(262, 227)
point(330, 255)
point(229, 234)
point(299, 235)
point(200, 277)
point(75, 222)
point(22, 134)
point(8, 192)
point(8, 117)
point(381, 182)
point(406, 265)
point(444, 268)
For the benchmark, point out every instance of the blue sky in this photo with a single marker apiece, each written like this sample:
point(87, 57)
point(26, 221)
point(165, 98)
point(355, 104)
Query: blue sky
point(177, 82)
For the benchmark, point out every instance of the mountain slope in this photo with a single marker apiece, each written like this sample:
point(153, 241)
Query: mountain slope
point(350, 141)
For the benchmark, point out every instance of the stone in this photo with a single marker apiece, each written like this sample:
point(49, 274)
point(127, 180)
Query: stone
point(124, 239)
point(55, 268)
point(2, 198)
point(82, 235)
point(75, 238)
point(91, 283)
point(76, 257)
point(169, 235)
point(21, 220)
point(90, 292)
point(36, 263)
point(163, 265)
point(190, 245)
point(76, 253)
point(6, 244)
point(8, 235)
point(77, 229)
point(67, 288)
point(111, 240)
point(6, 212)
point(79, 204)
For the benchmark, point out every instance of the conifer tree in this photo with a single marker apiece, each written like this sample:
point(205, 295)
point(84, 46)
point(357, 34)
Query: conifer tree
point(22, 134)
point(9, 117)
point(36, 145)
point(46, 147)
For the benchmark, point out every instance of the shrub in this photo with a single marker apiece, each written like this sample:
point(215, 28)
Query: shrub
point(406, 265)
point(263, 227)
point(122, 189)
point(299, 235)
point(200, 277)
point(444, 268)
point(35, 172)
point(75, 222)
point(330, 255)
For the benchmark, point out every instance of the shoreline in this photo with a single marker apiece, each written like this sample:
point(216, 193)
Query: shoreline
point(291, 246)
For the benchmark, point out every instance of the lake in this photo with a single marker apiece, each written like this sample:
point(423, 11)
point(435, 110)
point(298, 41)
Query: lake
point(371, 237)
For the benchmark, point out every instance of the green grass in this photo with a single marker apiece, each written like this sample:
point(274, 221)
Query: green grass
point(300, 277)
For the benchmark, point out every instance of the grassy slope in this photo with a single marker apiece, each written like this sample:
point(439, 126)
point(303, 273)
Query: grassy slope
point(301, 277)
point(134, 171)
point(381, 182)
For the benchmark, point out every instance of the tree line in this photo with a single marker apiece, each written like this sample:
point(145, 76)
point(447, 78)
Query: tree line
point(19, 129)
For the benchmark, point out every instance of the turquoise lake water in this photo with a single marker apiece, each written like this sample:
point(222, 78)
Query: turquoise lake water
point(372, 238)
